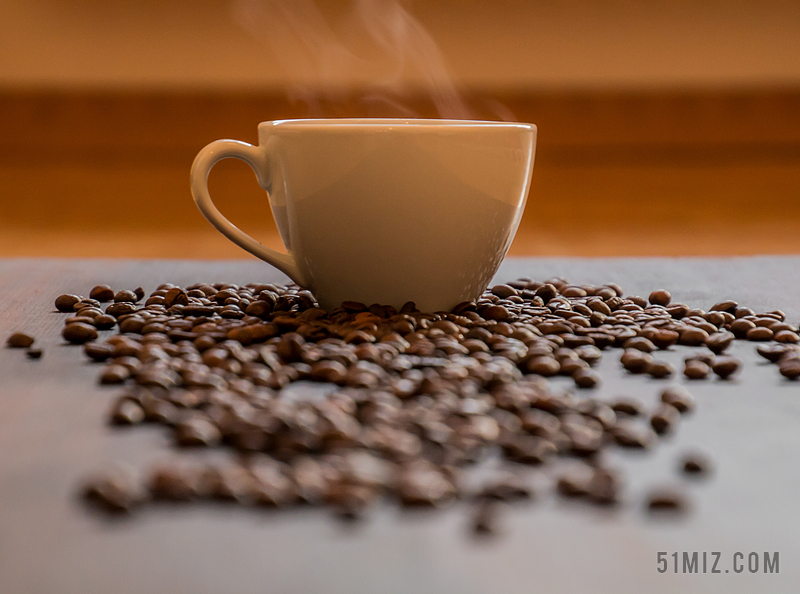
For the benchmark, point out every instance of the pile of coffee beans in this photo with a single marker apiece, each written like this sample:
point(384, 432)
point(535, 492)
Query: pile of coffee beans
point(408, 402)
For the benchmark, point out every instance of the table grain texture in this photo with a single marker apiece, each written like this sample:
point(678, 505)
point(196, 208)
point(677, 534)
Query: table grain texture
point(53, 434)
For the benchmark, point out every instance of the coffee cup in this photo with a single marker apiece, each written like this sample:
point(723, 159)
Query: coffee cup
point(384, 210)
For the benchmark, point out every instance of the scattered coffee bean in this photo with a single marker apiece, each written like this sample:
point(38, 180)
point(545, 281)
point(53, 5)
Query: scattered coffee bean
point(759, 333)
point(696, 370)
point(79, 333)
point(678, 397)
point(116, 491)
point(696, 464)
point(664, 419)
point(726, 366)
point(484, 521)
point(125, 296)
point(102, 293)
point(660, 369)
point(790, 368)
point(66, 303)
point(34, 353)
point(660, 297)
point(667, 500)
point(19, 340)
point(413, 398)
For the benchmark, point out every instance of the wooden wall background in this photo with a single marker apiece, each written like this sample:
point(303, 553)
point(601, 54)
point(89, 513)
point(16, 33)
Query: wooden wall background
point(666, 127)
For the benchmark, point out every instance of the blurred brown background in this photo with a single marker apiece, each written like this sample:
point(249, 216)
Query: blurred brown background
point(666, 127)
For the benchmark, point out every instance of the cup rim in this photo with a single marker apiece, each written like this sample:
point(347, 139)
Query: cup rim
point(394, 122)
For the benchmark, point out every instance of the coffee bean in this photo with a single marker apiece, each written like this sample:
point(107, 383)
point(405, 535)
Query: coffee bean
point(759, 333)
point(19, 340)
point(631, 435)
point(34, 353)
point(726, 366)
point(660, 297)
point(115, 491)
point(692, 336)
point(741, 327)
point(176, 296)
point(66, 303)
point(678, 397)
point(586, 378)
point(719, 342)
point(126, 411)
point(696, 370)
point(636, 361)
point(504, 291)
point(663, 339)
point(790, 368)
point(787, 337)
point(627, 406)
point(660, 369)
point(772, 352)
point(79, 333)
point(508, 488)
point(666, 499)
point(575, 482)
point(728, 306)
point(664, 419)
point(172, 483)
point(696, 464)
point(544, 366)
point(102, 293)
point(104, 322)
point(604, 487)
point(197, 431)
point(114, 374)
point(120, 308)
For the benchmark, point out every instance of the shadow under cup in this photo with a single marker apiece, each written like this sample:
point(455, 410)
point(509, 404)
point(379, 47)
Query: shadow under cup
point(389, 211)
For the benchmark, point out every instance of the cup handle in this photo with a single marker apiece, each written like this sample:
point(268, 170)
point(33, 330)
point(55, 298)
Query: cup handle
point(259, 161)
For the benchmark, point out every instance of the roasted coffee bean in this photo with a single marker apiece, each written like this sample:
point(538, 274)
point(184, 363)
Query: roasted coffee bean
point(118, 309)
point(98, 351)
point(772, 352)
point(660, 297)
point(575, 482)
point(790, 368)
point(741, 327)
point(627, 406)
point(126, 411)
point(586, 378)
point(663, 339)
point(696, 370)
point(114, 374)
point(34, 353)
point(666, 499)
point(726, 366)
point(125, 296)
point(116, 491)
point(197, 430)
point(508, 488)
point(172, 483)
point(719, 342)
point(664, 419)
point(786, 336)
point(545, 366)
point(102, 293)
point(604, 487)
point(176, 296)
point(636, 361)
point(678, 397)
point(632, 435)
point(19, 340)
point(79, 333)
point(696, 464)
point(759, 333)
point(692, 336)
point(660, 369)
point(104, 322)
point(728, 306)
point(66, 303)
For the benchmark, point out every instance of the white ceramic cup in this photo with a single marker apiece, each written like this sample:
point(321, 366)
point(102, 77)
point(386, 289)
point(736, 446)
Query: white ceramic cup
point(384, 210)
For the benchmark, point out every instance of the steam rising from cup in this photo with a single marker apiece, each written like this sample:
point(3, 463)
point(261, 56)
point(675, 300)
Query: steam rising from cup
point(375, 52)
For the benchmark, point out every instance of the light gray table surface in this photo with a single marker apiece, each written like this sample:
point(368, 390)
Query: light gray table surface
point(53, 434)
